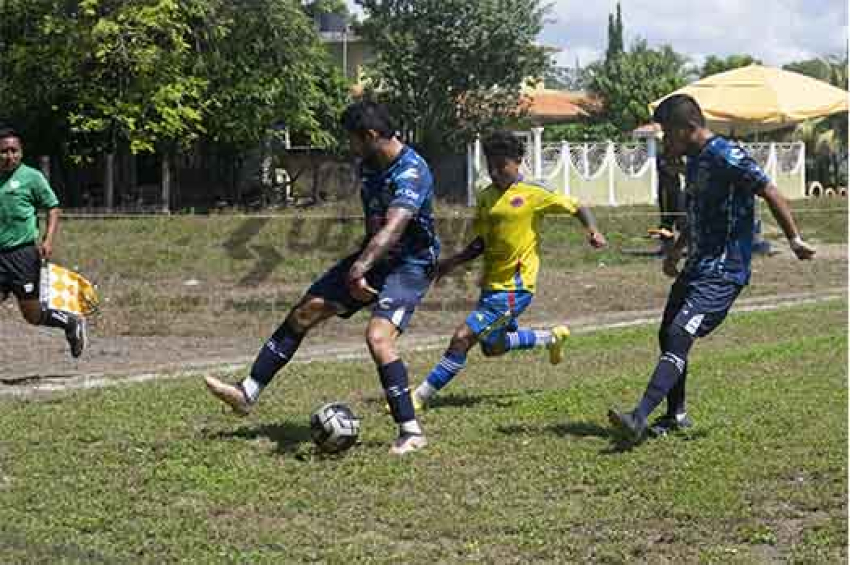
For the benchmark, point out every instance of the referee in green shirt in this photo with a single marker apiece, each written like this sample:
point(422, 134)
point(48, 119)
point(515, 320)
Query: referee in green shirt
point(24, 191)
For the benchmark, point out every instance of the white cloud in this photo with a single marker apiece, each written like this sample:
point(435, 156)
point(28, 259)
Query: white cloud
point(775, 31)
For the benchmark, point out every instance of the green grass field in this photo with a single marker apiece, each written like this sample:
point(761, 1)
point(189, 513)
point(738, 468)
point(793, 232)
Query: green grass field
point(229, 275)
point(522, 468)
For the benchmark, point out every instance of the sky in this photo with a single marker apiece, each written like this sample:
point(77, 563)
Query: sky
point(775, 31)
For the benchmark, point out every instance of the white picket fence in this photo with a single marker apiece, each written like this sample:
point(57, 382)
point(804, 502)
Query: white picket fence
point(614, 174)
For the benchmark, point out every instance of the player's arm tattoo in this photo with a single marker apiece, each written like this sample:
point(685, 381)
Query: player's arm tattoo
point(384, 240)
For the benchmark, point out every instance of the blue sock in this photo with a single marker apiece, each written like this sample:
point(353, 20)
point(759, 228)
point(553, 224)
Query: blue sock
point(667, 374)
point(527, 339)
point(394, 380)
point(276, 353)
point(448, 367)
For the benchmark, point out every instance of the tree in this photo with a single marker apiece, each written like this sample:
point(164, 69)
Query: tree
point(825, 138)
point(317, 8)
point(831, 69)
point(631, 81)
point(567, 78)
point(451, 68)
point(714, 64)
point(92, 76)
point(616, 47)
point(265, 64)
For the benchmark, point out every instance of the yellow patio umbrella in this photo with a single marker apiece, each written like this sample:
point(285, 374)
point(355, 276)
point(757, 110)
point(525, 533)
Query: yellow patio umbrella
point(756, 98)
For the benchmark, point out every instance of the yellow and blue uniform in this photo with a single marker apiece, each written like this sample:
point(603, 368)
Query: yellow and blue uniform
point(509, 222)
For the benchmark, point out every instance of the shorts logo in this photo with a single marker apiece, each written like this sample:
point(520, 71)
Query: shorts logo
point(694, 324)
point(29, 287)
point(408, 193)
point(517, 201)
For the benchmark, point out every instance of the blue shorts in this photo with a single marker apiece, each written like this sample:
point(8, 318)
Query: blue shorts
point(699, 306)
point(400, 290)
point(496, 314)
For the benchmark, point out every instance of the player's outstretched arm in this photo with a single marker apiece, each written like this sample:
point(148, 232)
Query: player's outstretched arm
point(594, 237)
point(470, 252)
point(782, 213)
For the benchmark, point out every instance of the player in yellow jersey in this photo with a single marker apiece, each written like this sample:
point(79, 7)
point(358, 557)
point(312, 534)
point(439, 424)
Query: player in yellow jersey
point(507, 230)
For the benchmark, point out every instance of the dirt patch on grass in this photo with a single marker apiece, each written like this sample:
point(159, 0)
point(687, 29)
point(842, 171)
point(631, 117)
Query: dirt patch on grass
point(168, 326)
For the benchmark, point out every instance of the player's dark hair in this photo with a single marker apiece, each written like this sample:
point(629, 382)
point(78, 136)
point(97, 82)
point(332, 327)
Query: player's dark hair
point(503, 143)
point(366, 115)
point(6, 132)
point(680, 111)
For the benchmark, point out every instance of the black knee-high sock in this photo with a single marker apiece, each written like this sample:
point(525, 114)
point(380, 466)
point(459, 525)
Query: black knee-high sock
point(55, 319)
point(394, 380)
point(676, 397)
point(667, 373)
point(276, 353)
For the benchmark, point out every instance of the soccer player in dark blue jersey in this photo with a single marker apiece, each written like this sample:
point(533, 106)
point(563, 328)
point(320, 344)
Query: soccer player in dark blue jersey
point(390, 273)
point(722, 182)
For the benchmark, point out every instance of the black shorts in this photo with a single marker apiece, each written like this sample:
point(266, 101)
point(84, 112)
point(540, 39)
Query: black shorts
point(400, 290)
point(699, 306)
point(20, 272)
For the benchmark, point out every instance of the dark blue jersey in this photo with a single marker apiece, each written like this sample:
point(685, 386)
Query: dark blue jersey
point(406, 183)
point(721, 185)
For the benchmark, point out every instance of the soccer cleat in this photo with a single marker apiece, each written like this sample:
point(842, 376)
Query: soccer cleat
point(419, 404)
point(406, 443)
point(666, 424)
point(77, 335)
point(232, 395)
point(559, 342)
point(627, 424)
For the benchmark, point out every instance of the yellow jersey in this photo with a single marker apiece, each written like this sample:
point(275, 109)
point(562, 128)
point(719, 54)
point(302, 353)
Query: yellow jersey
point(509, 224)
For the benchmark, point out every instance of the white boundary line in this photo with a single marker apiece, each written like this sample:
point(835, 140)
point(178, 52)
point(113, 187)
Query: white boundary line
point(639, 318)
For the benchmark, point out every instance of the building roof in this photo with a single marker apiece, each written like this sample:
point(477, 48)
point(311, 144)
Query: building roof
point(547, 106)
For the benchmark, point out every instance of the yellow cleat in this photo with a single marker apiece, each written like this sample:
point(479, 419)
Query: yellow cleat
point(559, 341)
point(419, 405)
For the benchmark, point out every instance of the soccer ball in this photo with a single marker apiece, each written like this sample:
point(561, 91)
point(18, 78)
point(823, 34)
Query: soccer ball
point(334, 427)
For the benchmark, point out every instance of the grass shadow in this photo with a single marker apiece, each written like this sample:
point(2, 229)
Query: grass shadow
point(617, 443)
point(460, 400)
point(287, 437)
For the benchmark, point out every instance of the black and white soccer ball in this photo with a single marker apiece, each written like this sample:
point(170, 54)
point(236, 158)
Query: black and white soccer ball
point(334, 427)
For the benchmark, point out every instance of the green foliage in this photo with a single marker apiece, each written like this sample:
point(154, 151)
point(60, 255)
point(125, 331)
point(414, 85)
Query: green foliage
point(567, 78)
point(592, 131)
point(161, 74)
point(320, 7)
point(266, 64)
point(616, 47)
point(714, 64)
point(450, 68)
point(628, 83)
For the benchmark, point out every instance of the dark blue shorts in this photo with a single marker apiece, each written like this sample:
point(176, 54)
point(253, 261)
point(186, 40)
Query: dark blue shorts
point(400, 290)
point(496, 314)
point(699, 306)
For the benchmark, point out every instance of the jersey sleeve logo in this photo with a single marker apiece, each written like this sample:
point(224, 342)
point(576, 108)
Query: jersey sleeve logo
point(411, 174)
point(517, 201)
